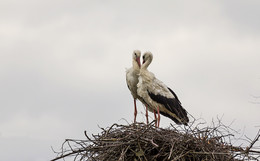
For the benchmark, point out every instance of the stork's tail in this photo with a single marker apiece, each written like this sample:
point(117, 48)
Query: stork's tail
point(181, 113)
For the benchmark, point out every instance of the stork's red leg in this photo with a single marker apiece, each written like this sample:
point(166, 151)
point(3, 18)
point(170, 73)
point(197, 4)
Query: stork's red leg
point(135, 112)
point(155, 118)
point(146, 114)
point(158, 112)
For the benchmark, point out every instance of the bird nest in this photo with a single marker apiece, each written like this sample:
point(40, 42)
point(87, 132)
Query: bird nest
point(141, 142)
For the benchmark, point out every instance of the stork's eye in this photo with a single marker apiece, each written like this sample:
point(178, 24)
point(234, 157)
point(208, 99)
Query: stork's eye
point(143, 57)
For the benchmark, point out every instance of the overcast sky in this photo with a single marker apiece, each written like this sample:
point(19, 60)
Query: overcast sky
point(62, 66)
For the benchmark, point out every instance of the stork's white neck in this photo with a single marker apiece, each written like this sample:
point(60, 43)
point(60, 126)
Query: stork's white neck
point(135, 65)
point(147, 63)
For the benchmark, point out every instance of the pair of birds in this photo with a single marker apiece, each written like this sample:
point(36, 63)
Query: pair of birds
point(154, 94)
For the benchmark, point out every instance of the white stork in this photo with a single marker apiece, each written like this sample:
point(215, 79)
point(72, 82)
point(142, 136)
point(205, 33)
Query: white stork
point(158, 96)
point(132, 75)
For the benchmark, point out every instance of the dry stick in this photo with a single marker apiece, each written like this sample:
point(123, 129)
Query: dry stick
point(170, 152)
point(252, 143)
point(69, 154)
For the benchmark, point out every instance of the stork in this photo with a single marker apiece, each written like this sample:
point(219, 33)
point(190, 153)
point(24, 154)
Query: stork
point(132, 75)
point(158, 96)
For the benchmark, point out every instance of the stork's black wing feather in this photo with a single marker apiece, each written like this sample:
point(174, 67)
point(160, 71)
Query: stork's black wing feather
point(174, 94)
point(173, 105)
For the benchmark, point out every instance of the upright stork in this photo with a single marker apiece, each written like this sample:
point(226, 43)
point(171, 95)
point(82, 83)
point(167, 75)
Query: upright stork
point(132, 75)
point(158, 96)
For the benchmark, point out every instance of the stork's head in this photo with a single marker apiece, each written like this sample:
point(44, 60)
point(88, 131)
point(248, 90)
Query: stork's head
point(136, 57)
point(147, 58)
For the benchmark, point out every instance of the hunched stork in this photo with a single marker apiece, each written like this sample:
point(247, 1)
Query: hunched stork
point(132, 75)
point(158, 96)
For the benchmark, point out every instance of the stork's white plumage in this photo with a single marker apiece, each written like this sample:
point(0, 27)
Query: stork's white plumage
point(158, 96)
point(132, 75)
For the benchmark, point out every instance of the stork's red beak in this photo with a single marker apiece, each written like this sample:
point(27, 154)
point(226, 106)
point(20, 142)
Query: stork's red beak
point(138, 61)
